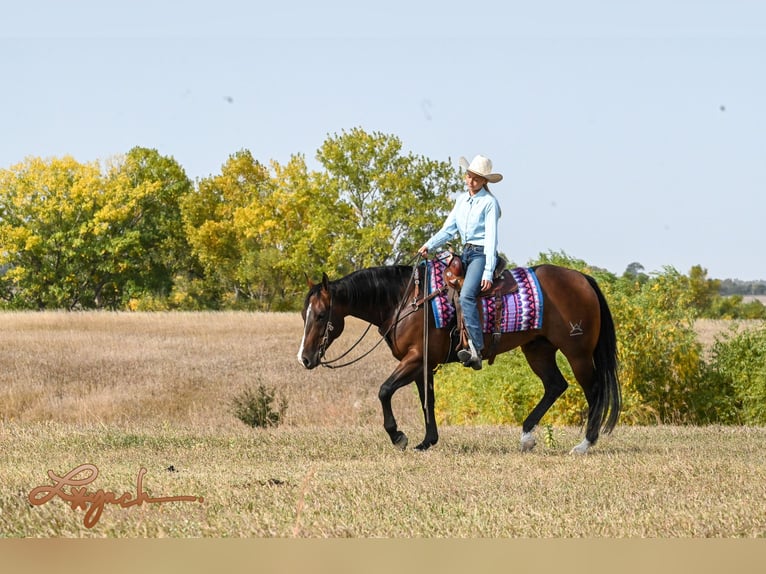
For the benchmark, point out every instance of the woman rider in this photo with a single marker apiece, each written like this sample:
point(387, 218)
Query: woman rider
point(474, 217)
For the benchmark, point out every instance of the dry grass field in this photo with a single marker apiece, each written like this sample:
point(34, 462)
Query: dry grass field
point(749, 298)
point(181, 368)
point(125, 392)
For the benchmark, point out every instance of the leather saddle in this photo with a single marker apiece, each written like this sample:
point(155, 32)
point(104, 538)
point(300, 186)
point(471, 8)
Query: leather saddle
point(503, 282)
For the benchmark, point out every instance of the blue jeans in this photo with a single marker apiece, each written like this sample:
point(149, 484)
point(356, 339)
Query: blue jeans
point(474, 261)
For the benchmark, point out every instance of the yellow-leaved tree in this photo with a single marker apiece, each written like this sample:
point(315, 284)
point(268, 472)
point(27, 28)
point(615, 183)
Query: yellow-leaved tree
point(74, 235)
point(47, 210)
point(260, 231)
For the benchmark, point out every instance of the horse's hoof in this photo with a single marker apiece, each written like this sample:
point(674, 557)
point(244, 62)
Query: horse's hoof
point(581, 448)
point(425, 445)
point(401, 442)
point(528, 442)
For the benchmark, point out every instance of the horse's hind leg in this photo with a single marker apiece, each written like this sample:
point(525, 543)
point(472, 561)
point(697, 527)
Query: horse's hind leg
point(583, 370)
point(541, 356)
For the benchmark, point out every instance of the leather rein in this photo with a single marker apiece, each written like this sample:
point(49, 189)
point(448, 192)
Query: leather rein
point(414, 305)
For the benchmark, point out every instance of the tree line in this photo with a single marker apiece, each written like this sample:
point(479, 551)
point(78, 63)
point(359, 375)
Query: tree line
point(739, 287)
point(136, 233)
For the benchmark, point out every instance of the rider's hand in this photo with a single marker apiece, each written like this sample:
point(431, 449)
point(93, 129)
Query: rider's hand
point(423, 251)
point(485, 285)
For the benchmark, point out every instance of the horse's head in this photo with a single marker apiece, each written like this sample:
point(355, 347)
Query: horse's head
point(321, 325)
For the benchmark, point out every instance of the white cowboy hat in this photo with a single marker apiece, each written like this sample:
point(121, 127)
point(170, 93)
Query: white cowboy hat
point(481, 166)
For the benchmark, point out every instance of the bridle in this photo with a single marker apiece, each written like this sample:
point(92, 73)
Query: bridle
point(325, 343)
point(329, 328)
point(414, 306)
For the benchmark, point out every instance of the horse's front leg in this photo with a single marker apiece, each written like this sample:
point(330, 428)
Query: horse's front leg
point(402, 375)
point(427, 403)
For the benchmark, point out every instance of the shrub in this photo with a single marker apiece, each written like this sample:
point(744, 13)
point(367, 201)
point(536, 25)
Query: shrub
point(501, 394)
point(738, 370)
point(256, 407)
point(734, 307)
point(661, 365)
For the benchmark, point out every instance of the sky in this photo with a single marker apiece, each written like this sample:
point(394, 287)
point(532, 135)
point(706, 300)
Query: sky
point(626, 132)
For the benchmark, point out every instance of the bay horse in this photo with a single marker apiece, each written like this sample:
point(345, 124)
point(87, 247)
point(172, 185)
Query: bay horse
point(576, 321)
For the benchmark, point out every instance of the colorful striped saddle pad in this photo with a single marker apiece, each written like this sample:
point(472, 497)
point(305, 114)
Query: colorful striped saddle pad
point(521, 310)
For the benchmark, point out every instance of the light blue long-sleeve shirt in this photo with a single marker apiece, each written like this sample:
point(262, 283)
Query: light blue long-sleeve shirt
point(475, 219)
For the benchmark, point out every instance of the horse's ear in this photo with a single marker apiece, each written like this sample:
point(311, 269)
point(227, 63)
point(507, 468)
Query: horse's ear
point(325, 282)
point(309, 282)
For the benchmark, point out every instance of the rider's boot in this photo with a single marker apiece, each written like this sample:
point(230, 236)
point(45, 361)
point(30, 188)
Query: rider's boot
point(470, 357)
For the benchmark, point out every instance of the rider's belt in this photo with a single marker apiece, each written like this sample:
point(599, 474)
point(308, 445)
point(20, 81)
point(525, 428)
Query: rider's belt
point(472, 247)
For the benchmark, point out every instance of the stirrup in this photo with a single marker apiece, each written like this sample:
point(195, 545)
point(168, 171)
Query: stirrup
point(470, 357)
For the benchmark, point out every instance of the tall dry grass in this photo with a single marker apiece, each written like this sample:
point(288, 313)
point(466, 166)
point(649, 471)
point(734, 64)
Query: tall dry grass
point(186, 367)
point(178, 368)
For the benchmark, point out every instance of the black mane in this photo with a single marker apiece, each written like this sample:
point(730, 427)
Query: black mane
point(374, 287)
point(381, 287)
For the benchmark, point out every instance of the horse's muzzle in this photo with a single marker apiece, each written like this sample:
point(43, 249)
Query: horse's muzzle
point(309, 362)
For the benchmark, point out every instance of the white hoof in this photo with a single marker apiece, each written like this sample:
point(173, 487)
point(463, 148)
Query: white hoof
point(581, 448)
point(528, 441)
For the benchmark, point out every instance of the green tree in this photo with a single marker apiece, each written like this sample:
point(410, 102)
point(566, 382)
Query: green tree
point(147, 243)
point(254, 230)
point(703, 290)
point(259, 232)
point(286, 232)
point(47, 210)
point(74, 237)
point(214, 223)
point(396, 201)
point(304, 223)
point(635, 272)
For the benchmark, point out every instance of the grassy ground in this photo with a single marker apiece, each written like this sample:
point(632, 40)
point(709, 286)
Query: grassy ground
point(319, 482)
point(125, 392)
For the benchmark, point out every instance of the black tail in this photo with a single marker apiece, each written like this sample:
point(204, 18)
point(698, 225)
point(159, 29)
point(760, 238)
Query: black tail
point(608, 402)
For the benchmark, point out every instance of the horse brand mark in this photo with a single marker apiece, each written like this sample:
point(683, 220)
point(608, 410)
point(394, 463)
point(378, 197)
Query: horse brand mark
point(575, 329)
point(78, 496)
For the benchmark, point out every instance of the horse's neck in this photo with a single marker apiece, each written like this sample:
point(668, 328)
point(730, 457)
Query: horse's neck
point(368, 317)
point(371, 313)
point(378, 306)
